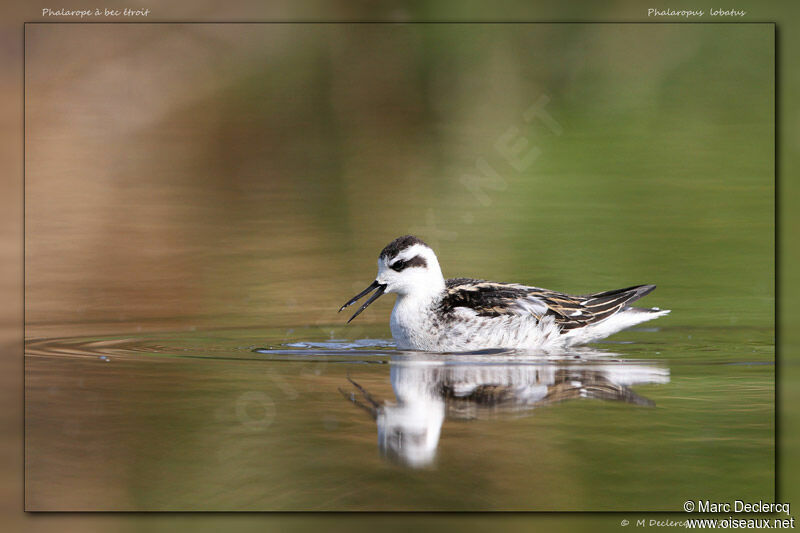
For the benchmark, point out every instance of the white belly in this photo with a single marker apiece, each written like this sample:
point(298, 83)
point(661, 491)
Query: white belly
point(416, 326)
point(422, 329)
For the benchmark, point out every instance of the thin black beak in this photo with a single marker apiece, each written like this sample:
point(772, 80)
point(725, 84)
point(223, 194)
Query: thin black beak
point(374, 285)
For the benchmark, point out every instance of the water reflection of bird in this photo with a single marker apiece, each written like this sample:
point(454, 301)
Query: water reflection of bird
point(428, 391)
point(463, 314)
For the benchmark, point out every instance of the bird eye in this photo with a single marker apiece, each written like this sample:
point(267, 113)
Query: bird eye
point(398, 266)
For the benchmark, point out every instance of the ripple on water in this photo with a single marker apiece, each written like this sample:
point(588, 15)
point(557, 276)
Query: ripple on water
point(678, 346)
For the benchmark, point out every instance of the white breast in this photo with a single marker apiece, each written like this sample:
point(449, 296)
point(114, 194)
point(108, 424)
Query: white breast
point(411, 323)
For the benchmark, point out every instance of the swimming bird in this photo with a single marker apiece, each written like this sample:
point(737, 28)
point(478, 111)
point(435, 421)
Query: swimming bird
point(464, 314)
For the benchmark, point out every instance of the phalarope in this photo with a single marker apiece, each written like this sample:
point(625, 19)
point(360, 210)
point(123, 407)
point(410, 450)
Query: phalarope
point(462, 314)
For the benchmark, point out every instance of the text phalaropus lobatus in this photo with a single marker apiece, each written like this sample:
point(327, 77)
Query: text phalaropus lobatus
point(462, 314)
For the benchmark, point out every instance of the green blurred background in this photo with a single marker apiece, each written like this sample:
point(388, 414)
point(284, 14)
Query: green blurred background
point(617, 11)
point(195, 176)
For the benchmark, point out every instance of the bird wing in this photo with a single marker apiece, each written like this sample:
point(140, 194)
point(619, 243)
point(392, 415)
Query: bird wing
point(493, 299)
point(489, 298)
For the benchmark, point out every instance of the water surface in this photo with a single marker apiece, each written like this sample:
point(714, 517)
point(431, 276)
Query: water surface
point(228, 420)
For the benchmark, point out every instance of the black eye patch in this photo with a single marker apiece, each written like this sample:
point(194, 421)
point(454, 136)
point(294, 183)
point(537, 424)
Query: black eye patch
point(416, 261)
point(398, 266)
